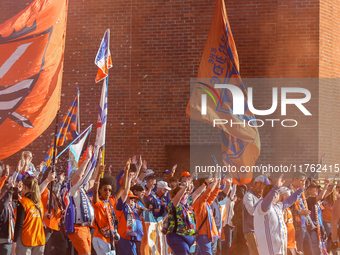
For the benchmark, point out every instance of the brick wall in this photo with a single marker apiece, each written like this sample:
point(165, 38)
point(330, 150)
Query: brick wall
point(156, 48)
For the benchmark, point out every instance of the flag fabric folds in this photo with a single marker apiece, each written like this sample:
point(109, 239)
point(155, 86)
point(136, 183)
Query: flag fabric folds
point(31, 62)
point(220, 65)
point(103, 59)
point(66, 131)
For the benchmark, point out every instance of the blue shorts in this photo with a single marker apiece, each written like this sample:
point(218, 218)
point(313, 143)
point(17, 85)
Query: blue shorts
point(180, 245)
point(126, 247)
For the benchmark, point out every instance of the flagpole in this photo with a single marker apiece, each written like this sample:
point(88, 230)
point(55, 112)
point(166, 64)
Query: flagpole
point(53, 160)
point(78, 109)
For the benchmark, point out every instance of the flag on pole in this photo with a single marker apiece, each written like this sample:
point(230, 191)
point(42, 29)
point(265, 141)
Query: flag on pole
point(103, 59)
point(75, 150)
point(102, 115)
point(66, 131)
point(220, 65)
point(31, 66)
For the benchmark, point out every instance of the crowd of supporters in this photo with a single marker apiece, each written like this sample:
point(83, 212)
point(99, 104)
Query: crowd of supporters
point(49, 213)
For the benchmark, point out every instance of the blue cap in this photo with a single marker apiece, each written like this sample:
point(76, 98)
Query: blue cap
point(167, 171)
point(263, 179)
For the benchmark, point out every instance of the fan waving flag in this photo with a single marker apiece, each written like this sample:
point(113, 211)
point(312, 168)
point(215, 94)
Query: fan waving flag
point(220, 65)
point(31, 62)
point(66, 131)
point(103, 59)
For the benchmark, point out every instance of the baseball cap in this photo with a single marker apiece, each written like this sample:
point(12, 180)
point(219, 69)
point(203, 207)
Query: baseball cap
point(162, 185)
point(185, 174)
point(313, 185)
point(167, 171)
point(148, 172)
point(131, 195)
point(284, 190)
point(263, 179)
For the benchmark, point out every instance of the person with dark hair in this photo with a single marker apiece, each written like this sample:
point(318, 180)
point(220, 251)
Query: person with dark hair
point(314, 200)
point(7, 219)
point(104, 203)
point(139, 191)
point(269, 226)
point(150, 196)
point(239, 242)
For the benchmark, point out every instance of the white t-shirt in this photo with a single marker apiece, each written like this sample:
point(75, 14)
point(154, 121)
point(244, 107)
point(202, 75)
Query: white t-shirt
point(269, 230)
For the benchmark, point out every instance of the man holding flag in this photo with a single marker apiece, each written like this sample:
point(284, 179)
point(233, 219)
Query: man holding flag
point(79, 210)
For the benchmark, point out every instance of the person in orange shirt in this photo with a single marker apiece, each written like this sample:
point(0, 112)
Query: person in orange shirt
point(104, 203)
point(205, 222)
point(327, 212)
point(29, 236)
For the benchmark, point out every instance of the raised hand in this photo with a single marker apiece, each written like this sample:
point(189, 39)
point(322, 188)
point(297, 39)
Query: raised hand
point(41, 166)
point(140, 163)
point(127, 166)
point(280, 182)
point(144, 165)
point(51, 176)
point(173, 169)
point(134, 160)
point(89, 152)
point(7, 170)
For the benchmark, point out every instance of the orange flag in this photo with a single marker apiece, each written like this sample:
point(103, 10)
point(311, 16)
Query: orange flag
point(220, 65)
point(31, 62)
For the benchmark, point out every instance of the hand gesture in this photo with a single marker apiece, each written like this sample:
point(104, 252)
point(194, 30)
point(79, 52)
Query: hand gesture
point(134, 160)
point(41, 166)
point(19, 166)
point(20, 185)
point(101, 169)
point(280, 182)
point(212, 184)
point(304, 212)
point(173, 169)
point(144, 165)
point(100, 156)
point(327, 181)
point(89, 152)
point(140, 163)
point(51, 176)
point(127, 166)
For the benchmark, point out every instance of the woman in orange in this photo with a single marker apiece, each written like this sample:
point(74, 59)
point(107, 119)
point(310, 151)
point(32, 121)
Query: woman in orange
point(29, 236)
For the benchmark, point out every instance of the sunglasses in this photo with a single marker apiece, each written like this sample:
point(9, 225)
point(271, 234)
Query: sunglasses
point(107, 190)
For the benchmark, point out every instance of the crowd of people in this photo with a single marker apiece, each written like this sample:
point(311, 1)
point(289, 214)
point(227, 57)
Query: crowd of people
point(49, 213)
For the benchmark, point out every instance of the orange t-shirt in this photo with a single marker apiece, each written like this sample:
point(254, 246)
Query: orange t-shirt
point(327, 212)
point(288, 217)
point(200, 209)
point(53, 222)
point(32, 233)
point(101, 217)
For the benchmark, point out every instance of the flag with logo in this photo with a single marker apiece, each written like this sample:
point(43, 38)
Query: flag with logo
point(103, 59)
point(220, 65)
point(31, 63)
point(102, 115)
point(66, 131)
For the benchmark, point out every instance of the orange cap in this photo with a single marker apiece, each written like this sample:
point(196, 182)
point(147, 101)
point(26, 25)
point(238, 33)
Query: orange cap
point(185, 174)
point(131, 195)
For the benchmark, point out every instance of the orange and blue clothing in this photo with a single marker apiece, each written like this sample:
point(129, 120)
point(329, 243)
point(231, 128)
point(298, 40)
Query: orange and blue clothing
point(130, 228)
point(104, 210)
point(156, 202)
point(53, 222)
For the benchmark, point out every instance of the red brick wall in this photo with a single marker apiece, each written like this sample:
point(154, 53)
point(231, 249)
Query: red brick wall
point(156, 48)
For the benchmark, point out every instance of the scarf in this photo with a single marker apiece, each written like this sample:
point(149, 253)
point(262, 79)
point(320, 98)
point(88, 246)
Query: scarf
point(111, 218)
point(85, 207)
point(131, 224)
point(11, 221)
point(283, 229)
point(321, 243)
point(214, 234)
point(300, 204)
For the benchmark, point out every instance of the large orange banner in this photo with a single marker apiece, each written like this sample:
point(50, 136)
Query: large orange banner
point(31, 62)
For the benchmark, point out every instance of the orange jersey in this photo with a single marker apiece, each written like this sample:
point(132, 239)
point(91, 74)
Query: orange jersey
point(100, 210)
point(288, 217)
point(53, 222)
point(33, 230)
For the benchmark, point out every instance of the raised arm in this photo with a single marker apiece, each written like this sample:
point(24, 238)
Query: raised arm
point(173, 170)
point(197, 192)
point(96, 184)
point(178, 196)
point(142, 173)
point(97, 170)
point(215, 192)
point(323, 192)
point(51, 176)
point(122, 187)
